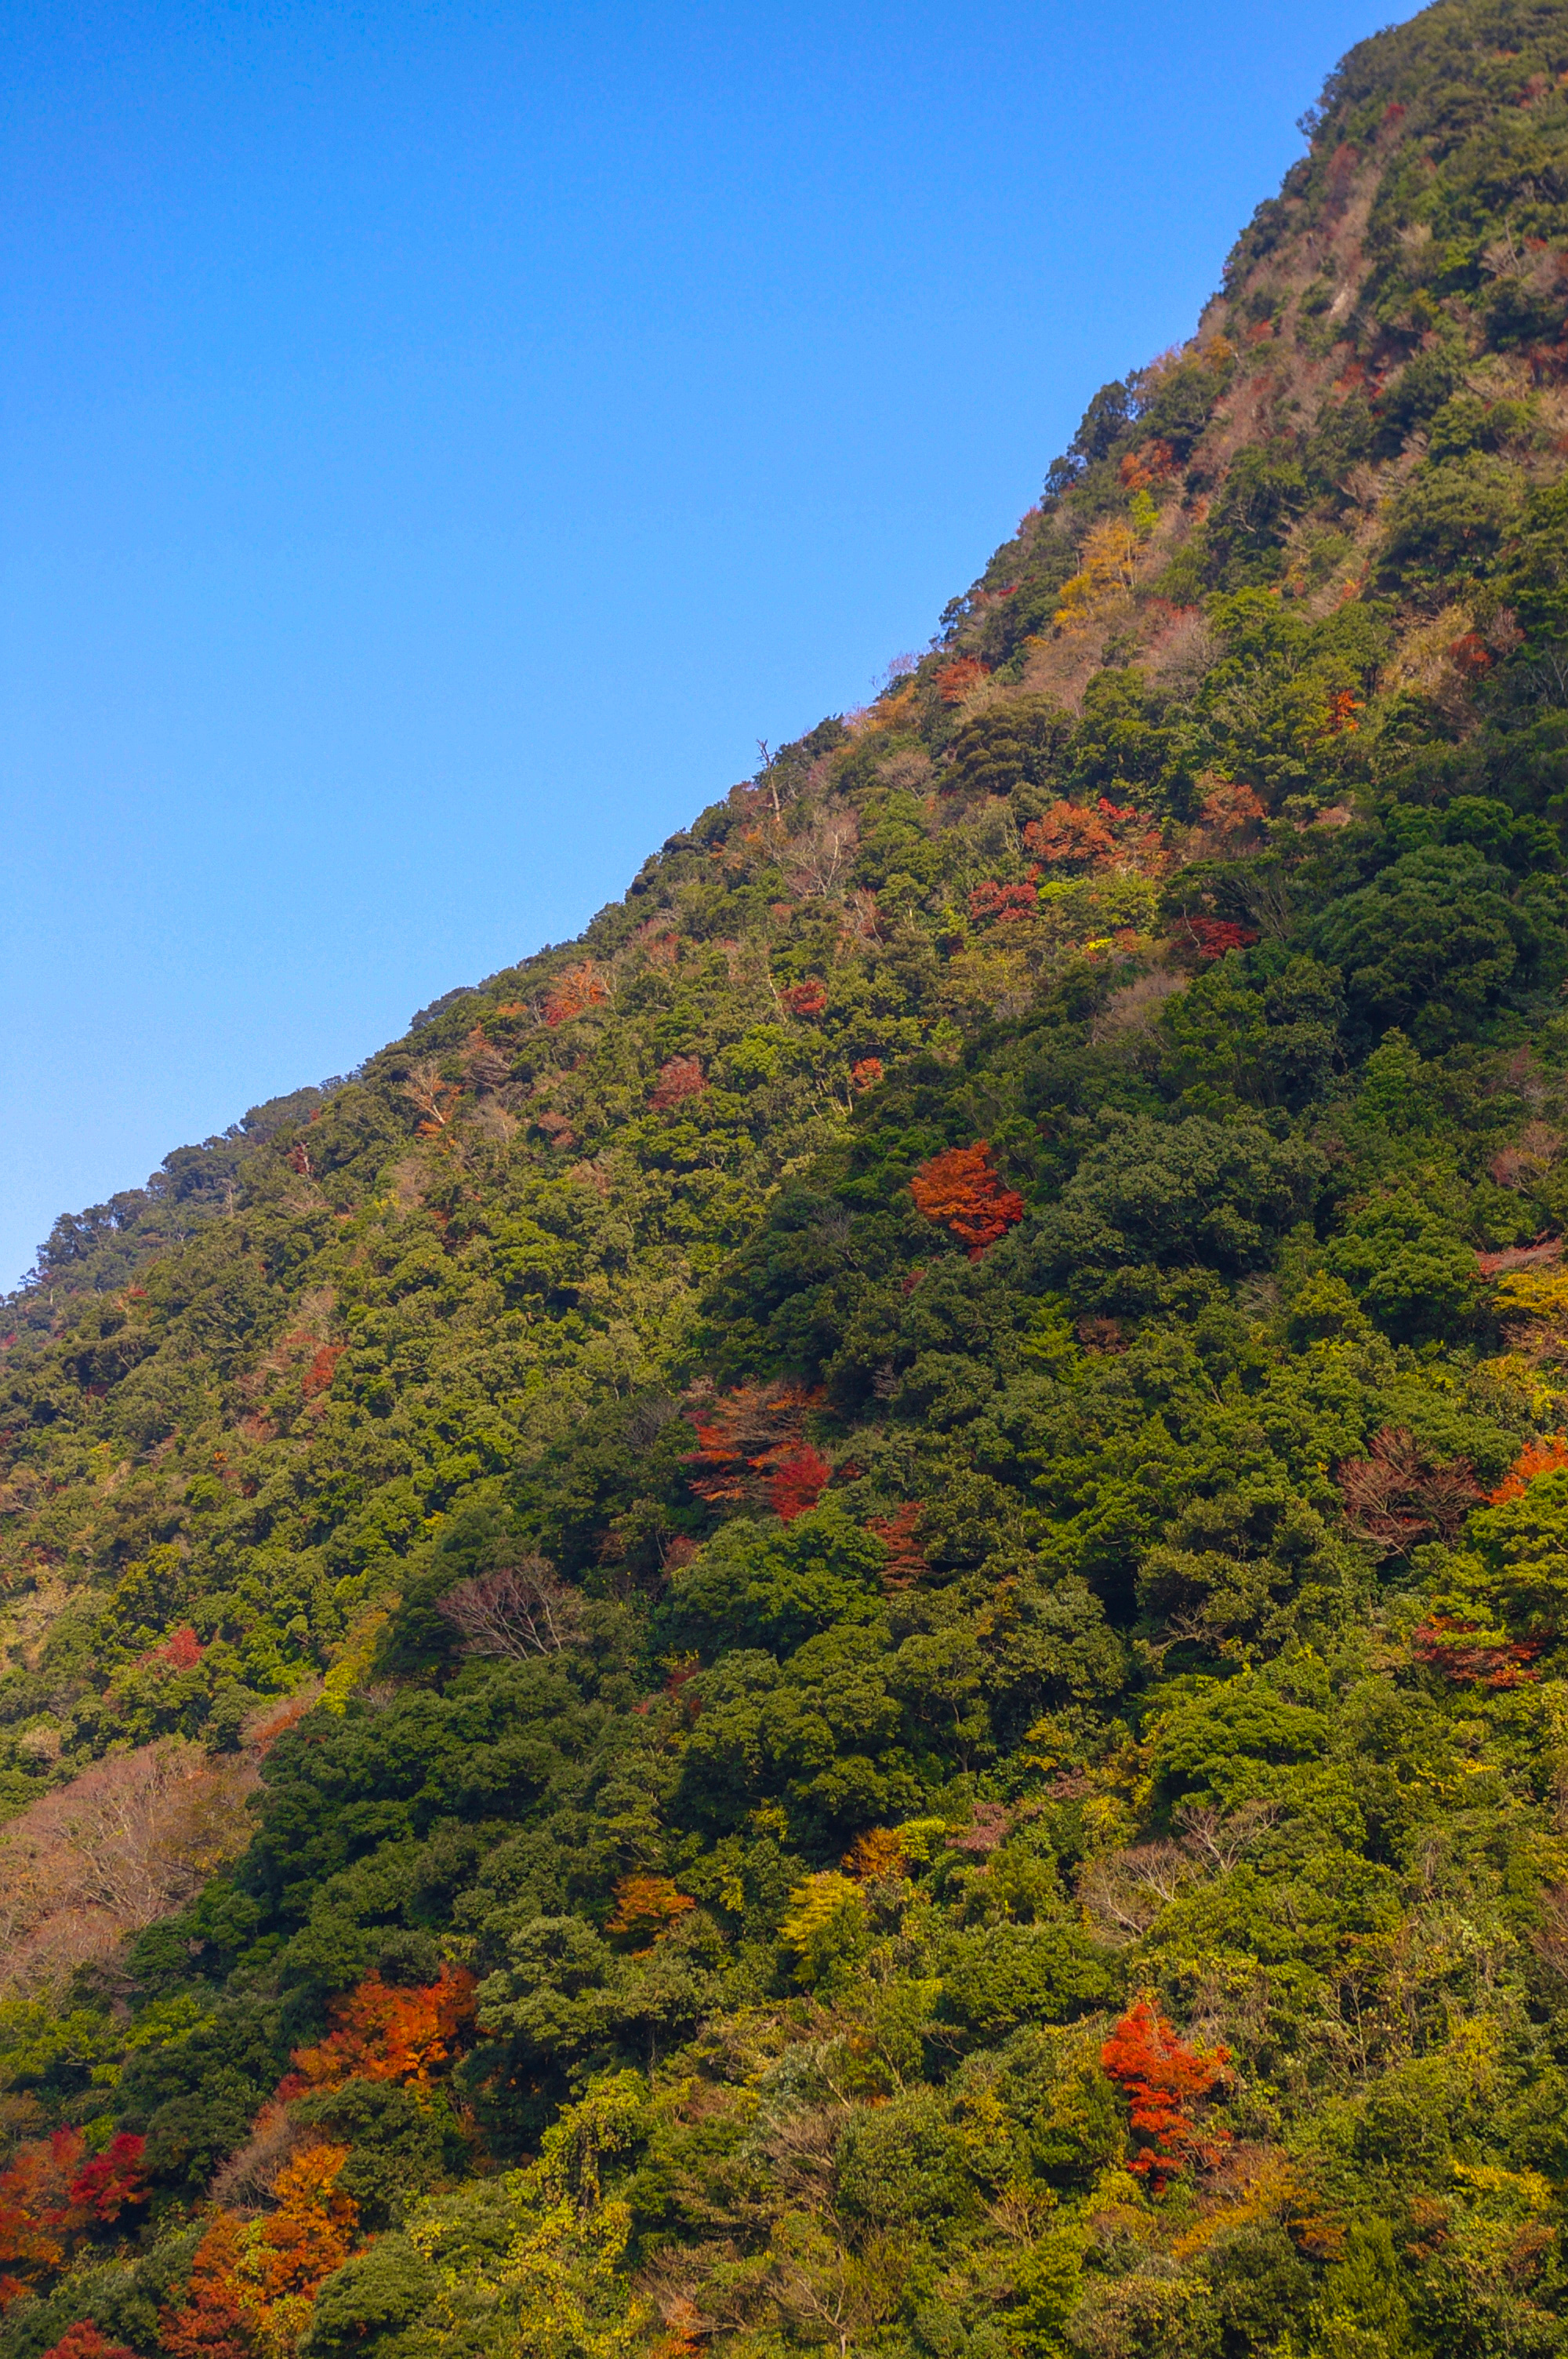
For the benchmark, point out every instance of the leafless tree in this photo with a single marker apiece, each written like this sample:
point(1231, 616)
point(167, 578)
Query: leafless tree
point(517, 1611)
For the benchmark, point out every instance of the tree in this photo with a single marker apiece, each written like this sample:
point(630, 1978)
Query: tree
point(959, 1191)
point(1162, 2079)
point(385, 2031)
point(574, 991)
point(680, 1078)
point(1395, 1497)
point(516, 1612)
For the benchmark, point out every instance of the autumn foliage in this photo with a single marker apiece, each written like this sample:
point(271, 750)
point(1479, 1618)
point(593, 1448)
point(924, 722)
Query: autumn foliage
point(84, 2341)
point(1456, 1651)
point(1101, 835)
point(808, 998)
point(1395, 1497)
point(574, 991)
point(252, 2283)
point(954, 681)
point(905, 1558)
point(53, 2195)
point(960, 1191)
point(646, 1908)
point(753, 1451)
point(1548, 1455)
point(1162, 2080)
point(382, 2031)
point(680, 1078)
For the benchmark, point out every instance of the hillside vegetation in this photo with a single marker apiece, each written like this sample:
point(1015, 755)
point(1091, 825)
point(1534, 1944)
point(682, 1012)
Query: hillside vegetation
point(837, 1623)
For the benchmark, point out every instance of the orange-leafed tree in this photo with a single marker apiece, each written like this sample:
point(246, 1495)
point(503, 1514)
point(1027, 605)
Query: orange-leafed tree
point(954, 681)
point(1163, 2080)
point(218, 2319)
point(252, 2283)
point(53, 2195)
point(312, 2231)
point(807, 998)
point(960, 1190)
point(646, 1908)
point(905, 1557)
point(385, 2031)
point(1101, 835)
point(1548, 1454)
point(574, 991)
point(747, 1439)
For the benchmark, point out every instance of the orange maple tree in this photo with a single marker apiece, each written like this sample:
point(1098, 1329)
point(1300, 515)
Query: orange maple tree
point(752, 1450)
point(53, 2195)
point(646, 1908)
point(574, 991)
point(1546, 1455)
point(1101, 835)
point(807, 998)
point(252, 2285)
point(954, 681)
point(905, 1558)
point(385, 2031)
point(960, 1190)
point(1162, 2079)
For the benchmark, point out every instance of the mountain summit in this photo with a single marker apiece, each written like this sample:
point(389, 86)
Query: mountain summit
point(837, 1623)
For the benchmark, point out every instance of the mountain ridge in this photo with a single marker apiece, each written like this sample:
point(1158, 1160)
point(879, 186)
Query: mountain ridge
point(837, 1621)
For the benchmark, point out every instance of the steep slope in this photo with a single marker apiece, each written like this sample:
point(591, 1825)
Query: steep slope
point(838, 1620)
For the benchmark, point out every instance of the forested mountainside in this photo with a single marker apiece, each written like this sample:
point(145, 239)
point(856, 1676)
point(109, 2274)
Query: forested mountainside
point(838, 1621)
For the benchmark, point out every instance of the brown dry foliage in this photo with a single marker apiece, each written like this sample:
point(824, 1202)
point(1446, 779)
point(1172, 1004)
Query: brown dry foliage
point(112, 1850)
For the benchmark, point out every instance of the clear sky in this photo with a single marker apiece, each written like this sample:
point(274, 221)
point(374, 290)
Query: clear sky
point(437, 440)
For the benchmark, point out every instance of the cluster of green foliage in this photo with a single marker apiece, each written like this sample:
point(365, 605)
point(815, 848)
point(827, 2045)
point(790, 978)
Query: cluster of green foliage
point(954, 1643)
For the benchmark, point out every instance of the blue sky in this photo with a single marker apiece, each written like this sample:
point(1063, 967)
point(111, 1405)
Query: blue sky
point(437, 442)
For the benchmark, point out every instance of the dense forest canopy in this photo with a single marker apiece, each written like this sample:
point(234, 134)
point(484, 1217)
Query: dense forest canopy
point(839, 1622)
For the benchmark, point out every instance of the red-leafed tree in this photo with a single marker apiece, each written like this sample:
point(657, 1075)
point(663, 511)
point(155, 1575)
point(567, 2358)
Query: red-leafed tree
point(1162, 2080)
point(866, 1073)
point(681, 1078)
point(807, 998)
point(991, 902)
point(1394, 1498)
point(796, 1482)
point(745, 1439)
point(1211, 938)
point(954, 681)
point(84, 2341)
point(53, 2195)
point(960, 1191)
point(1456, 1650)
point(905, 1558)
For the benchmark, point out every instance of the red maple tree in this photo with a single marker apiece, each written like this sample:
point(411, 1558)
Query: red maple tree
point(1162, 2079)
point(807, 998)
point(993, 902)
point(1212, 937)
point(84, 2341)
point(906, 1559)
point(53, 2195)
point(680, 1078)
point(866, 1073)
point(798, 1482)
point(960, 1190)
point(753, 1451)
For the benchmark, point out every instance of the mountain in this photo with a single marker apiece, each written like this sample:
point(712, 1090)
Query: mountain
point(838, 1622)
